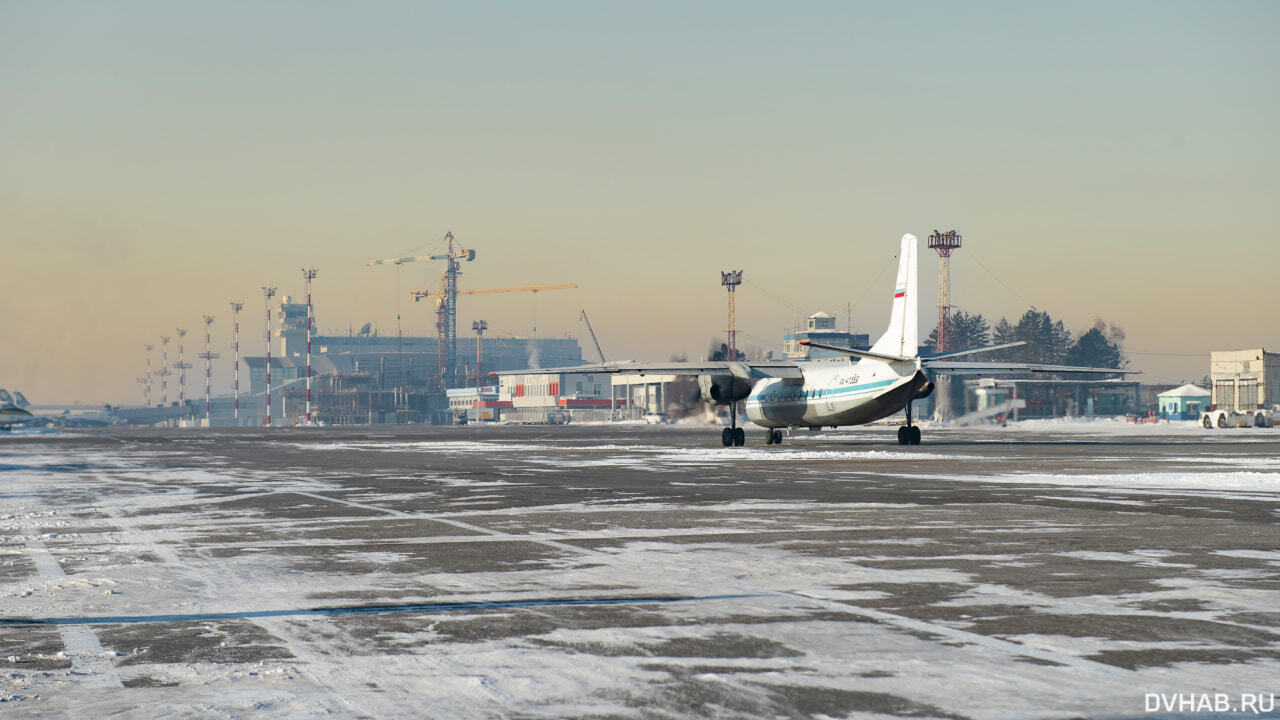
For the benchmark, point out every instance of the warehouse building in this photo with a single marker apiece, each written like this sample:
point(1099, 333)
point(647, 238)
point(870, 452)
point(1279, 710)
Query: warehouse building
point(1245, 380)
point(542, 397)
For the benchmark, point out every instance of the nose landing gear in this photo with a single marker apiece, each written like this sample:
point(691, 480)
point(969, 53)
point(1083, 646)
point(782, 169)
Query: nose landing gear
point(774, 437)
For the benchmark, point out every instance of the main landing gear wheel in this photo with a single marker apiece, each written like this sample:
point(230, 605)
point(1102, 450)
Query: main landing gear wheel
point(774, 437)
point(908, 434)
point(733, 436)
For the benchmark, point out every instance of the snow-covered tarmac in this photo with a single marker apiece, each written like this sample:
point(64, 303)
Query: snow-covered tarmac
point(1041, 570)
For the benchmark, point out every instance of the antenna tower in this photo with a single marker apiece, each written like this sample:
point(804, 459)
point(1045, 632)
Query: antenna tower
point(164, 371)
point(731, 280)
point(182, 366)
point(944, 243)
point(146, 397)
point(267, 294)
point(208, 356)
point(236, 307)
point(309, 274)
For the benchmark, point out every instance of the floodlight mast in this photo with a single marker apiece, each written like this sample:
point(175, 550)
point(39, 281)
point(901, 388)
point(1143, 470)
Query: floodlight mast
point(731, 279)
point(147, 387)
point(268, 293)
point(309, 274)
point(236, 307)
point(208, 356)
point(479, 326)
point(944, 243)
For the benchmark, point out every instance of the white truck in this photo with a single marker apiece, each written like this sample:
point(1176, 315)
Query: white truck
point(1227, 418)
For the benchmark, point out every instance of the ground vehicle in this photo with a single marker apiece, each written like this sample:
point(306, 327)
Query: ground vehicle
point(656, 418)
point(1224, 418)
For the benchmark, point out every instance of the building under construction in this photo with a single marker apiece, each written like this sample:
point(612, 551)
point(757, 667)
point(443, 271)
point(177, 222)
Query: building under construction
point(365, 377)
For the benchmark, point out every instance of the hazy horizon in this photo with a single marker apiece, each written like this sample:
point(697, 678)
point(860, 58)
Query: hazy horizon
point(162, 160)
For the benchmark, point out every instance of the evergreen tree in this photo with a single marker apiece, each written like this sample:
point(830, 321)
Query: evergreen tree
point(967, 331)
point(1005, 333)
point(1093, 349)
point(1047, 341)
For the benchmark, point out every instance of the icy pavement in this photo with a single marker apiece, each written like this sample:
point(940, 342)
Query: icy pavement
point(1033, 571)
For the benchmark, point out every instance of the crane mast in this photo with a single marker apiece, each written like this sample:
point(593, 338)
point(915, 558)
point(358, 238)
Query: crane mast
point(447, 311)
point(446, 305)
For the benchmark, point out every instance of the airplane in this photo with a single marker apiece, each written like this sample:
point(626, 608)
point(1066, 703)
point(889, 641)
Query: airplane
point(873, 385)
point(13, 411)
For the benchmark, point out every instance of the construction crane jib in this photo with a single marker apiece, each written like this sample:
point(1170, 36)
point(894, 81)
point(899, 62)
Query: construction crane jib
point(583, 314)
point(447, 313)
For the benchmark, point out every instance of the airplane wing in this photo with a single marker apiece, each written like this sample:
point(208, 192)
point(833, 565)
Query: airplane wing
point(943, 362)
point(868, 355)
point(744, 370)
point(961, 367)
point(974, 351)
point(864, 354)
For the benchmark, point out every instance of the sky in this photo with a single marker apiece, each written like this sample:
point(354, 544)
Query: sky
point(159, 160)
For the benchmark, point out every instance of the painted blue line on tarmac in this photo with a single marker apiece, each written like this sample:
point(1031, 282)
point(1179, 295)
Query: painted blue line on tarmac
point(367, 610)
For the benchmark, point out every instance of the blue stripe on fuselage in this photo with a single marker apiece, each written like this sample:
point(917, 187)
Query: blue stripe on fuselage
point(827, 393)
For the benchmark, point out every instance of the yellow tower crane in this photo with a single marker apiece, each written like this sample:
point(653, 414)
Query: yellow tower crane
point(441, 297)
point(447, 307)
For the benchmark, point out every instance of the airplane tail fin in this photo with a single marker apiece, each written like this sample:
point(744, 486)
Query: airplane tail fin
point(903, 336)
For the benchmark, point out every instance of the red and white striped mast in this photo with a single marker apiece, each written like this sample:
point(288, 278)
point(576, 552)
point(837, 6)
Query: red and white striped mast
point(236, 307)
point(182, 366)
point(146, 395)
point(731, 280)
point(267, 294)
point(309, 274)
point(208, 356)
point(944, 243)
point(164, 371)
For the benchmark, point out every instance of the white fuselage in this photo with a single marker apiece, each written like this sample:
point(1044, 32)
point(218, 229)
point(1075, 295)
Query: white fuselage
point(835, 393)
point(10, 416)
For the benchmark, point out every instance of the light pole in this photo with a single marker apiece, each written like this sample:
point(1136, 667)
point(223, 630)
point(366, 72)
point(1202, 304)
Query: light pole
point(479, 326)
point(267, 294)
point(309, 274)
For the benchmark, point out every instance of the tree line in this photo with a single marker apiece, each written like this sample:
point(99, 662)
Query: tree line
point(1047, 341)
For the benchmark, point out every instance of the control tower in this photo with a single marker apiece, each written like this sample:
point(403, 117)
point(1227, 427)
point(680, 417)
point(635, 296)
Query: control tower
point(944, 243)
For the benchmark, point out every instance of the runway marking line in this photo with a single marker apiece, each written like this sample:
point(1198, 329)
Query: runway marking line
point(992, 643)
point(87, 655)
point(420, 607)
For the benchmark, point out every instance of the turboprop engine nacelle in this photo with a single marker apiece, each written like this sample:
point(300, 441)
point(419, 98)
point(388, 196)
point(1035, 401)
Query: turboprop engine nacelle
point(923, 386)
point(723, 389)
